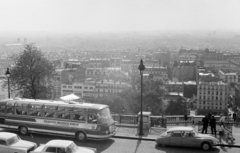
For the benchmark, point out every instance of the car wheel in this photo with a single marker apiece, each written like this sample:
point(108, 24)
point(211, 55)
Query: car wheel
point(23, 130)
point(81, 136)
point(206, 146)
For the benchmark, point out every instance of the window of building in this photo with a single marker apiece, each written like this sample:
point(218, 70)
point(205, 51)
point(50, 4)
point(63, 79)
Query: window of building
point(77, 87)
point(85, 87)
point(64, 86)
point(70, 87)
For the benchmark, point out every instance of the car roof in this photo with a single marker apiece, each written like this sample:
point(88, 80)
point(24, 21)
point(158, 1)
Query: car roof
point(183, 128)
point(6, 135)
point(59, 143)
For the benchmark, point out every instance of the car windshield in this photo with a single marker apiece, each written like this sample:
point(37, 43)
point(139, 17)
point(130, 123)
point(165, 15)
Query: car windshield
point(13, 140)
point(71, 148)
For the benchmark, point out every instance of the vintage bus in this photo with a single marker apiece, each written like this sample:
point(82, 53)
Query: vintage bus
point(80, 120)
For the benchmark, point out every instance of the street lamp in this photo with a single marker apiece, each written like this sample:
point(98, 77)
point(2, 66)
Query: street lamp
point(141, 67)
point(8, 73)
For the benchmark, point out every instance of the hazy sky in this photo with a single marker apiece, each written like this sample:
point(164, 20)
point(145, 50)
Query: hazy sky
point(117, 15)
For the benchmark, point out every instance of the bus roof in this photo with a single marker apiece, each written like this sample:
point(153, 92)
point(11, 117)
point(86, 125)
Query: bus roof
point(91, 106)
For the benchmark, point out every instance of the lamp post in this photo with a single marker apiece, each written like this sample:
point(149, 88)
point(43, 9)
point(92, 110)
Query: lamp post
point(141, 67)
point(8, 73)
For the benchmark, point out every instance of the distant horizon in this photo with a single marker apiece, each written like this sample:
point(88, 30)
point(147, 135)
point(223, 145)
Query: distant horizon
point(117, 16)
point(169, 31)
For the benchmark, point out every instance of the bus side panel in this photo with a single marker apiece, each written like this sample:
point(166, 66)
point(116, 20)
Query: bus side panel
point(32, 125)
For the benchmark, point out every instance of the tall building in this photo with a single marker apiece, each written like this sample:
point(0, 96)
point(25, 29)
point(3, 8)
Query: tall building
point(212, 97)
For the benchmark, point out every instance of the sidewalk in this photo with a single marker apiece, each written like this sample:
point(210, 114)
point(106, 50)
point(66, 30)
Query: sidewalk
point(131, 132)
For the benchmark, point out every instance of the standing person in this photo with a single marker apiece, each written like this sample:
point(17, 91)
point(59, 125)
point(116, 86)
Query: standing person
point(185, 118)
point(221, 132)
point(222, 119)
point(205, 124)
point(213, 125)
point(234, 117)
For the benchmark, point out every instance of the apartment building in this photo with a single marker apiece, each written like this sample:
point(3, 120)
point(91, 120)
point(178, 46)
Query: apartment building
point(108, 87)
point(174, 87)
point(228, 76)
point(212, 97)
point(217, 64)
point(157, 72)
point(83, 90)
point(96, 73)
point(213, 55)
point(187, 57)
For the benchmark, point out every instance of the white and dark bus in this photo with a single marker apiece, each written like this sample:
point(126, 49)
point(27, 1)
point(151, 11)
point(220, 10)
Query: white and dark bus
point(82, 121)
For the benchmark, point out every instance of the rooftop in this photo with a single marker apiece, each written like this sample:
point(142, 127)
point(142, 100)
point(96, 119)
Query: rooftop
point(229, 72)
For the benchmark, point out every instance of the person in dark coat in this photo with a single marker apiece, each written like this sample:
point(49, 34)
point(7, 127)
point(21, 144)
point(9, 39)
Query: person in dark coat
point(209, 116)
point(213, 125)
point(205, 124)
point(234, 117)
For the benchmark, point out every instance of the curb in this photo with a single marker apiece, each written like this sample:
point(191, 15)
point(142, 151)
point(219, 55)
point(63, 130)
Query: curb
point(134, 138)
point(132, 126)
point(229, 145)
point(148, 139)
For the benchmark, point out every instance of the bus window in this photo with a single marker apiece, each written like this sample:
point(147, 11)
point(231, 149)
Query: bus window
point(49, 111)
point(35, 110)
point(64, 112)
point(92, 118)
point(2, 108)
point(65, 115)
point(80, 114)
point(18, 108)
point(10, 106)
point(24, 109)
point(10, 109)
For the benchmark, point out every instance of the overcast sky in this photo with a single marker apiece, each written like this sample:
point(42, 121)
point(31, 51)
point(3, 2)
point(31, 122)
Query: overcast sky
point(118, 15)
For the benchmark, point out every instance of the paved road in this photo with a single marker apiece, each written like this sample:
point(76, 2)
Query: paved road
point(116, 145)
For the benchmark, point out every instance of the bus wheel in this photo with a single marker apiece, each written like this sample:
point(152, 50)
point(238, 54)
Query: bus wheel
point(81, 136)
point(23, 130)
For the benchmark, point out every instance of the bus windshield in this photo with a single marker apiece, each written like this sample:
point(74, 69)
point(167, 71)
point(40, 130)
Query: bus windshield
point(105, 117)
